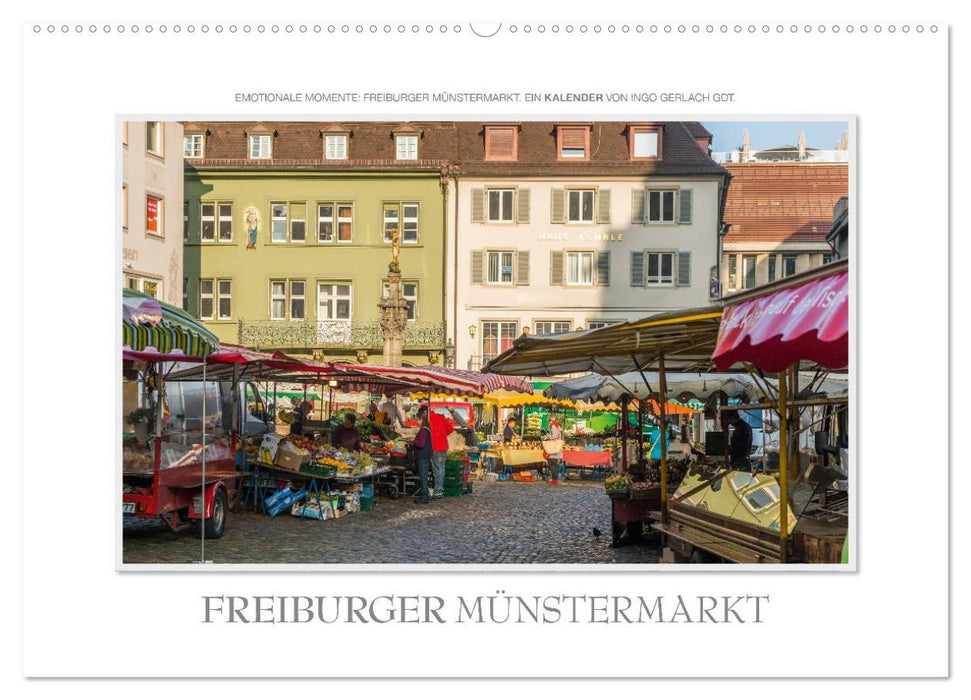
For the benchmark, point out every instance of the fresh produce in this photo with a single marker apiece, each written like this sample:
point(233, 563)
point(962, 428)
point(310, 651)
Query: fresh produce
point(618, 482)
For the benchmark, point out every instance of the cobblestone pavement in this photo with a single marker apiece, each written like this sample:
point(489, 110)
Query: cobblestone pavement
point(499, 523)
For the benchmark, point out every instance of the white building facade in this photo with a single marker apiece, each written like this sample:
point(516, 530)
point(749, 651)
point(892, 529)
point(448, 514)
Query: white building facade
point(548, 253)
point(152, 209)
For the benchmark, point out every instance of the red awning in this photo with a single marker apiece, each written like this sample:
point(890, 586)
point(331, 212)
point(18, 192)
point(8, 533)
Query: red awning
point(807, 321)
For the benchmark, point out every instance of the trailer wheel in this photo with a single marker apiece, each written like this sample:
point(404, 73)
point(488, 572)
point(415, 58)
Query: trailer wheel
point(216, 525)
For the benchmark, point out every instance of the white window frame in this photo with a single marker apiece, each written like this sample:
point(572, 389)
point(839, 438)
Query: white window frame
point(281, 298)
point(502, 193)
point(661, 281)
point(161, 215)
point(274, 219)
point(595, 324)
point(755, 271)
point(293, 295)
point(139, 284)
point(593, 205)
point(335, 219)
point(193, 146)
point(219, 299)
point(220, 219)
point(579, 254)
point(406, 147)
point(203, 218)
point(401, 221)
point(646, 131)
point(551, 324)
point(499, 282)
point(335, 146)
point(661, 191)
point(185, 219)
point(211, 296)
point(499, 325)
point(160, 152)
point(258, 141)
point(291, 220)
point(336, 297)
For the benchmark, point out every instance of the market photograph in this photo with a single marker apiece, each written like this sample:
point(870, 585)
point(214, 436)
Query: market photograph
point(485, 343)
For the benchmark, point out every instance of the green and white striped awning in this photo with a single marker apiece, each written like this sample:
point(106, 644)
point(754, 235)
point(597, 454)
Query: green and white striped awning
point(151, 329)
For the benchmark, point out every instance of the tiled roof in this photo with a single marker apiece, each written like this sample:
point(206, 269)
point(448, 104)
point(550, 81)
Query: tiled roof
point(783, 202)
point(371, 146)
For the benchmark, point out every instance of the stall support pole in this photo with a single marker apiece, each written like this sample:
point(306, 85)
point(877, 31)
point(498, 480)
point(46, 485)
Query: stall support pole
point(640, 431)
point(662, 419)
point(202, 523)
point(623, 432)
point(783, 466)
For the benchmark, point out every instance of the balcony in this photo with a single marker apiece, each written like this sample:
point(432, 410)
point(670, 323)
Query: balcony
point(359, 335)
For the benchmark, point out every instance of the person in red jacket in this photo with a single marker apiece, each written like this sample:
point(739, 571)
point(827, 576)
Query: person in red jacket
point(441, 428)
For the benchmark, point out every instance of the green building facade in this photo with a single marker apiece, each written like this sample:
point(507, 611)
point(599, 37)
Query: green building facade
point(292, 258)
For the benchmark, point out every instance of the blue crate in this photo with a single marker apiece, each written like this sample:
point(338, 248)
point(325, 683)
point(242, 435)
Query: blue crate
point(367, 490)
point(276, 497)
point(285, 503)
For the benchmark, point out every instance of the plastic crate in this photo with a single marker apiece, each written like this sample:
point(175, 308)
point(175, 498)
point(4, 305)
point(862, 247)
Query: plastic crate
point(367, 490)
point(367, 503)
point(451, 491)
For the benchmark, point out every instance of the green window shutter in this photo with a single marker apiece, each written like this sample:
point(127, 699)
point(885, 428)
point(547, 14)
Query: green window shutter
point(637, 268)
point(603, 207)
point(476, 267)
point(478, 205)
point(603, 269)
point(637, 207)
point(557, 206)
point(684, 269)
point(522, 267)
point(684, 216)
point(522, 206)
point(556, 268)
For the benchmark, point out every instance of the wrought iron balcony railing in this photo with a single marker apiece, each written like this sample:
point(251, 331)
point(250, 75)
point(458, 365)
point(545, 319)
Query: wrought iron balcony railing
point(361, 335)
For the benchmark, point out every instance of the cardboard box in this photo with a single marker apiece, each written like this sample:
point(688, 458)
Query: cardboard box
point(268, 448)
point(291, 457)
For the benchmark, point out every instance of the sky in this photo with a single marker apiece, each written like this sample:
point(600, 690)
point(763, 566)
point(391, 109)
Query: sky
point(728, 134)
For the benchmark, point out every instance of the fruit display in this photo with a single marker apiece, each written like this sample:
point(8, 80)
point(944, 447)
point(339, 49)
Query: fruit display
point(136, 460)
point(618, 482)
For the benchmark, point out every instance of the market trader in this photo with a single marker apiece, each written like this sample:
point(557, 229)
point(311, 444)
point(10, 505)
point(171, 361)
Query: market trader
point(509, 432)
point(741, 445)
point(346, 435)
point(300, 417)
point(441, 428)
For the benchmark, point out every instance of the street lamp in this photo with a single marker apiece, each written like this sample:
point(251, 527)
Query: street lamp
point(330, 400)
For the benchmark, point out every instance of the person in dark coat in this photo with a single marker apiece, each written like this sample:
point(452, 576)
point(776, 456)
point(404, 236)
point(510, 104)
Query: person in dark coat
point(740, 447)
point(422, 446)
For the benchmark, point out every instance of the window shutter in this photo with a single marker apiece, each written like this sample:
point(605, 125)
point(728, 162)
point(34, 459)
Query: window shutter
point(603, 207)
point(603, 269)
point(502, 141)
point(574, 137)
point(637, 268)
point(557, 198)
point(556, 268)
point(637, 207)
point(761, 269)
point(476, 267)
point(522, 267)
point(478, 205)
point(684, 216)
point(522, 206)
point(684, 269)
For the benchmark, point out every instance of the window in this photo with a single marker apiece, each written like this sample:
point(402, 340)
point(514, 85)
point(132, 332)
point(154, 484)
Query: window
point(185, 293)
point(335, 147)
point(550, 327)
point(499, 268)
point(124, 208)
point(573, 142)
point(224, 298)
point(215, 218)
point(207, 218)
point(154, 207)
point(645, 142)
point(497, 337)
point(661, 206)
point(185, 220)
point(788, 265)
point(501, 142)
point(153, 138)
point(500, 205)
point(333, 302)
point(579, 268)
point(261, 146)
point(192, 146)
point(278, 222)
point(660, 269)
point(748, 271)
point(225, 212)
point(827, 259)
point(205, 299)
point(409, 291)
point(406, 147)
point(287, 296)
point(403, 217)
point(594, 325)
point(771, 268)
point(151, 286)
point(298, 222)
point(327, 223)
point(580, 206)
point(732, 272)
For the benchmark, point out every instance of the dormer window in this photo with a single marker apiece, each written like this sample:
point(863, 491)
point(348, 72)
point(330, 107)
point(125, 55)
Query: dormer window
point(406, 146)
point(261, 146)
point(573, 142)
point(501, 142)
point(194, 146)
point(335, 146)
point(645, 142)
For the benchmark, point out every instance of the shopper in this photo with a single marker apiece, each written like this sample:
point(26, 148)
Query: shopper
point(422, 450)
point(740, 447)
point(346, 435)
point(392, 414)
point(300, 416)
point(555, 458)
point(509, 432)
point(441, 428)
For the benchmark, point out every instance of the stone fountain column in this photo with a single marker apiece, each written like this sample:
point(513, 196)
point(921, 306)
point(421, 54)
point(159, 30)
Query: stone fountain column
point(393, 310)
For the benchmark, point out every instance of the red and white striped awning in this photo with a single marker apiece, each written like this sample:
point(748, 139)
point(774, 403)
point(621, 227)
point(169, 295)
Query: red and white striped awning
point(443, 380)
